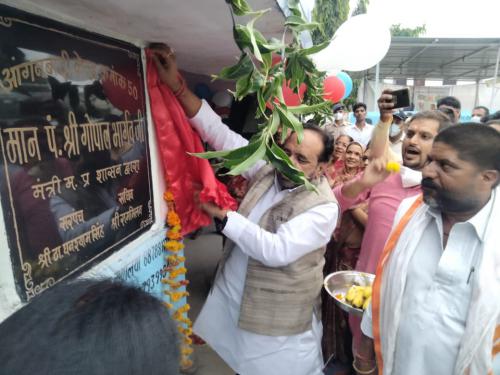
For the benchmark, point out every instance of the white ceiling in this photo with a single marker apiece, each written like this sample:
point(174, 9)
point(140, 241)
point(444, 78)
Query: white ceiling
point(200, 31)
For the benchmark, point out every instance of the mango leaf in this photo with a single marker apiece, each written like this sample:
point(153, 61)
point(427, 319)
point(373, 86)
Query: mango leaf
point(306, 63)
point(274, 123)
point(243, 86)
point(304, 109)
point(267, 59)
point(293, 5)
point(280, 160)
point(289, 120)
point(300, 24)
point(240, 7)
point(255, 47)
point(249, 161)
point(295, 20)
point(243, 38)
point(261, 101)
point(240, 153)
point(211, 154)
point(316, 48)
point(257, 81)
point(243, 67)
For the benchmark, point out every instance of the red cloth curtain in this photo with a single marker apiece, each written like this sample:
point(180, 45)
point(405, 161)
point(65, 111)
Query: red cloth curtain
point(185, 174)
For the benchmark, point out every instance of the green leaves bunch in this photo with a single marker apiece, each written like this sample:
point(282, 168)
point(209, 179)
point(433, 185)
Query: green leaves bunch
point(255, 73)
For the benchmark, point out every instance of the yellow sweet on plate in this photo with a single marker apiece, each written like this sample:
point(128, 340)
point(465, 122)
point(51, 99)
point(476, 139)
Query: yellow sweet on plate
point(359, 296)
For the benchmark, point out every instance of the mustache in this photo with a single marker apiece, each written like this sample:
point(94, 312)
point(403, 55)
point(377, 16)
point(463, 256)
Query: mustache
point(428, 183)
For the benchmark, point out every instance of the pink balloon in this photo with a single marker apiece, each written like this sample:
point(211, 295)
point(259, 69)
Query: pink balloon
point(333, 89)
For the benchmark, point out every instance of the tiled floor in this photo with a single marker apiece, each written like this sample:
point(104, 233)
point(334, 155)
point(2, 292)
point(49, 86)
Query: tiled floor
point(202, 255)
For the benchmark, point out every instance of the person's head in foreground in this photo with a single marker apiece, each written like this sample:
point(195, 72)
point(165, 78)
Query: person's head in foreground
point(310, 156)
point(90, 327)
point(464, 167)
point(450, 102)
point(422, 129)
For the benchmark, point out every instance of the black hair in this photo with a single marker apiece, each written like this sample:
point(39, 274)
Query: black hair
point(449, 101)
point(328, 146)
point(486, 110)
point(492, 117)
point(90, 327)
point(475, 143)
point(358, 105)
point(443, 120)
point(351, 139)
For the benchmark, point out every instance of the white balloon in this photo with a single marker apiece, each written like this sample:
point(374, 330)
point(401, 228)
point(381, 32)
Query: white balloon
point(222, 99)
point(358, 44)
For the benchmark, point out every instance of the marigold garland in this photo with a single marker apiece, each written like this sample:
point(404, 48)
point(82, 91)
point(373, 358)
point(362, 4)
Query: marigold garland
point(173, 244)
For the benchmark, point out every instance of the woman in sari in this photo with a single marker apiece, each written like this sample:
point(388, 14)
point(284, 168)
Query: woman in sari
point(342, 254)
point(337, 163)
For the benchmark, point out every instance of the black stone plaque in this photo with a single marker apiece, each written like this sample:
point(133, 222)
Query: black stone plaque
point(75, 176)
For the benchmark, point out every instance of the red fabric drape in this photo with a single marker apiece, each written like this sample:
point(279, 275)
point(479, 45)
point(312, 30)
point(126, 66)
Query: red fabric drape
point(186, 174)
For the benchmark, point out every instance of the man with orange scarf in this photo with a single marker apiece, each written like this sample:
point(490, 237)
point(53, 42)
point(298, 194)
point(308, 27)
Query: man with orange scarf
point(436, 297)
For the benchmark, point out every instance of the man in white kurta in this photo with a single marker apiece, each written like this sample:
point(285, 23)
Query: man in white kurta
point(246, 352)
point(436, 301)
point(298, 238)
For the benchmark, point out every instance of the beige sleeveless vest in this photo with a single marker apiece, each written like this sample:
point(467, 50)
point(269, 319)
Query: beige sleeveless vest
point(279, 301)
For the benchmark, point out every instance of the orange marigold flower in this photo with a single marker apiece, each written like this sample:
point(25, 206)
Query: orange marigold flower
point(168, 196)
point(187, 351)
point(186, 363)
point(174, 246)
point(177, 272)
point(171, 235)
point(183, 309)
point(173, 219)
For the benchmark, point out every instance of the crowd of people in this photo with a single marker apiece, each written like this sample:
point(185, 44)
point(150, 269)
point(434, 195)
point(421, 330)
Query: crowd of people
point(428, 232)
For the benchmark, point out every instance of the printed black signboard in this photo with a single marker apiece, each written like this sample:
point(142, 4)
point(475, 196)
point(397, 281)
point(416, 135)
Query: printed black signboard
point(75, 174)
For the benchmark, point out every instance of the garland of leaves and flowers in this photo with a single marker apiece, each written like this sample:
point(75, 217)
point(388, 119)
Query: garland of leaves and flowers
point(255, 73)
point(173, 288)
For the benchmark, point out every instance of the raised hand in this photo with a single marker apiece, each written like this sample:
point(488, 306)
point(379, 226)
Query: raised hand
point(386, 106)
point(375, 172)
point(164, 58)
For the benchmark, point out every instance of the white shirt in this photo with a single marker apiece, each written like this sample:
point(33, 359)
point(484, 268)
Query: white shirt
point(248, 353)
point(362, 136)
point(437, 295)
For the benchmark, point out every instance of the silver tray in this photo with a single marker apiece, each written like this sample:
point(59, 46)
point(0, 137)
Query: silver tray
point(338, 283)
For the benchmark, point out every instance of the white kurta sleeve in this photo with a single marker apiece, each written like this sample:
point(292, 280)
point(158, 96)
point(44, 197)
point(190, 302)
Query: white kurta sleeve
point(212, 130)
point(295, 238)
point(367, 322)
